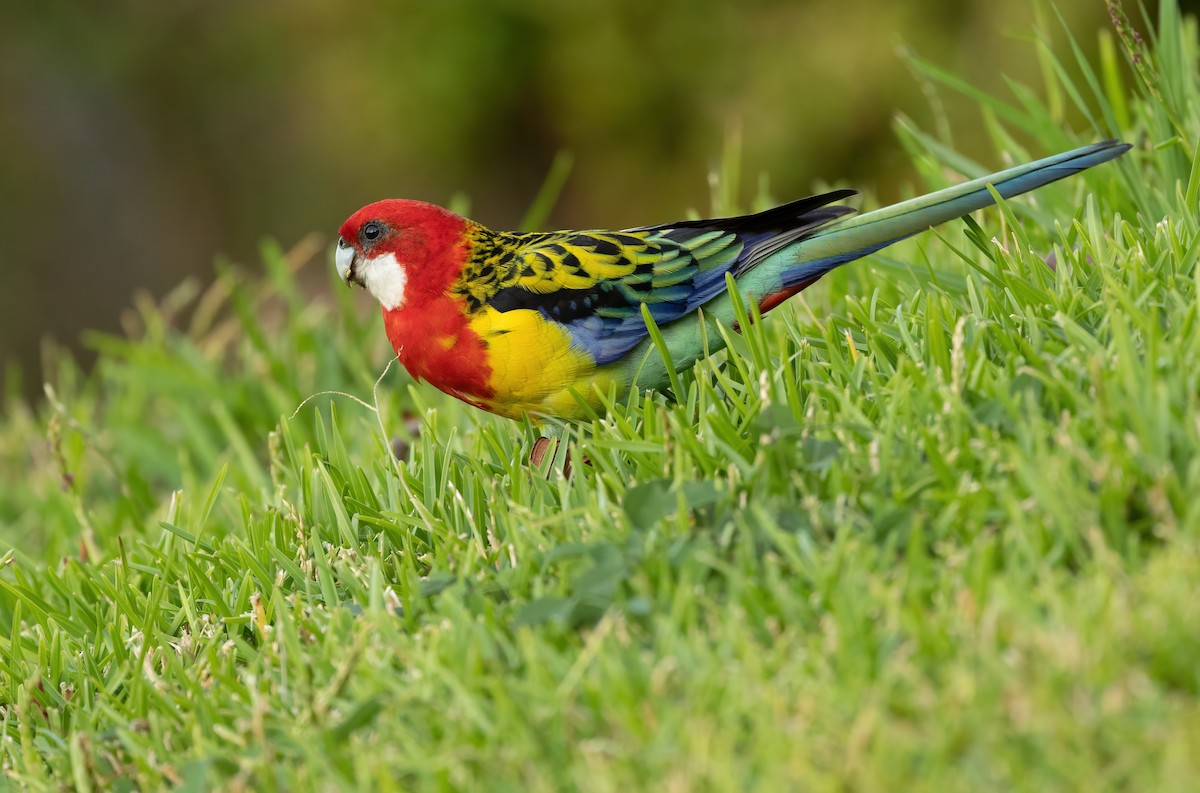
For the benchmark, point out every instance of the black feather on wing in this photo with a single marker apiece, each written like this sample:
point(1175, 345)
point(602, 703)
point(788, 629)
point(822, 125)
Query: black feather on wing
point(595, 282)
point(774, 228)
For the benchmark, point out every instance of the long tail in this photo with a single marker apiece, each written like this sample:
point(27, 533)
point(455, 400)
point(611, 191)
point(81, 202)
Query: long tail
point(864, 234)
point(797, 265)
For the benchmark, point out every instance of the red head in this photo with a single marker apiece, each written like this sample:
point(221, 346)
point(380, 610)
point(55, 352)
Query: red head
point(403, 252)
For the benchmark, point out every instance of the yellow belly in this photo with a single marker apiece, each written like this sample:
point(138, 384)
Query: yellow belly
point(535, 367)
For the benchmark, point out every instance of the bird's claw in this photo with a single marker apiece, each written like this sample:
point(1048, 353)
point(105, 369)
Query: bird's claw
point(554, 448)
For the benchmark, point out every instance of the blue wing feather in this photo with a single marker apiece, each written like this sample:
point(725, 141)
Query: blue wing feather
point(673, 268)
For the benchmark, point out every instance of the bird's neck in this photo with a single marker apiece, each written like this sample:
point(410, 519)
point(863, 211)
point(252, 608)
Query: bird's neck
point(435, 342)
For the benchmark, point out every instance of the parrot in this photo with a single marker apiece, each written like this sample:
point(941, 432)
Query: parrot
point(545, 324)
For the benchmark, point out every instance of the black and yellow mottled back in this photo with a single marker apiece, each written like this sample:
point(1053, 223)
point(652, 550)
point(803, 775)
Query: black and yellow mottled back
point(595, 282)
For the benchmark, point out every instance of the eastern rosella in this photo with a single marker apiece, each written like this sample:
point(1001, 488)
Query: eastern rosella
point(537, 323)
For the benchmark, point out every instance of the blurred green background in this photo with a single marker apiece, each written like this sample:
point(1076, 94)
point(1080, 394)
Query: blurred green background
point(141, 139)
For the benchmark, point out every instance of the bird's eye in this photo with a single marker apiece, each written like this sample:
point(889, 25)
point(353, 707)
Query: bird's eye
point(372, 231)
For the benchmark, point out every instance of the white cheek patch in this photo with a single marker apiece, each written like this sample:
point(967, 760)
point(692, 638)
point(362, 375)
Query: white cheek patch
point(385, 278)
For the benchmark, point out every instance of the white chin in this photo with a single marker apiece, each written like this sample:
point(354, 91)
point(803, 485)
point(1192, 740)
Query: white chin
point(385, 278)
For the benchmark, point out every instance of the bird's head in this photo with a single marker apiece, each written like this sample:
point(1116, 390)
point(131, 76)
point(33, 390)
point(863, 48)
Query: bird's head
point(401, 251)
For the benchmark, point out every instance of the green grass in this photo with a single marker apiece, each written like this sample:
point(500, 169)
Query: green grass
point(933, 526)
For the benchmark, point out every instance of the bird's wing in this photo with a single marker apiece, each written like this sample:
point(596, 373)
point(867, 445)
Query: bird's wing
point(593, 283)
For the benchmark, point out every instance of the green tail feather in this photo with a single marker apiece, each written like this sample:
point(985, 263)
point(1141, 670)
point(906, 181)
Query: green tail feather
point(851, 239)
point(864, 234)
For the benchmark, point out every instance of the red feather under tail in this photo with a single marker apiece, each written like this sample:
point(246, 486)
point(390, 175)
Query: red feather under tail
point(775, 298)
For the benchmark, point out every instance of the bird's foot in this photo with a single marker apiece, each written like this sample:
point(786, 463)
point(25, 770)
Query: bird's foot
point(538, 453)
point(559, 452)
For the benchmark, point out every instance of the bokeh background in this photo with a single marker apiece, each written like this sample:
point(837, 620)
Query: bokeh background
point(141, 139)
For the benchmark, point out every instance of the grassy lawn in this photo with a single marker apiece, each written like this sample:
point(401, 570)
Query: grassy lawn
point(931, 526)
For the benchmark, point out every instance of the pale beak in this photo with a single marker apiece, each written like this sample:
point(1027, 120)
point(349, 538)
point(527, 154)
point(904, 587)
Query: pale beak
point(344, 258)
